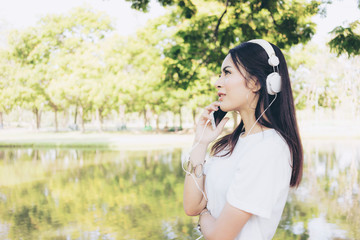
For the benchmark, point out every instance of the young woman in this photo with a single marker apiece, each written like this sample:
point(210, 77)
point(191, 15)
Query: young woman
point(241, 190)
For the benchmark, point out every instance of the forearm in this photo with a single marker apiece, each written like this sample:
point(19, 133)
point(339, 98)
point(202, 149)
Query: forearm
point(226, 226)
point(194, 201)
point(207, 224)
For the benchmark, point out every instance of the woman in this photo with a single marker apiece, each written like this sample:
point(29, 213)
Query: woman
point(250, 171)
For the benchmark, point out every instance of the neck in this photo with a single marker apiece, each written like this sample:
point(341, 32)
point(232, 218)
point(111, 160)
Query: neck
point(248, 118)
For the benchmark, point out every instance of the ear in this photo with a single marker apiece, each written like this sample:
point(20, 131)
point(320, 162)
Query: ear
point(254, 85)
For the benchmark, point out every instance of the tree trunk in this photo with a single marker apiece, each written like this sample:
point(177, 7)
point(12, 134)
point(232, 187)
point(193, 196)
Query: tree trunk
point(1, 120)
point(166, 127)
point(38, 120)
point(81, 112)
point(145, 120)
point(99, 120)
point(180, 118)
point(148, 117)
point(174, 120)
point(56, 121)
point(76, 113)
point(37, 113)
point(157, 117)
point(122, 116)
point(66, 118)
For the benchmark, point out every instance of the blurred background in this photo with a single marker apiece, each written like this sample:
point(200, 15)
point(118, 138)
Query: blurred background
point(99, 99)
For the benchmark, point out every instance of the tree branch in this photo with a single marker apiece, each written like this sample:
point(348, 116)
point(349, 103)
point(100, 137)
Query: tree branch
point(273, 19)
point(219, 21)
point(216, 31)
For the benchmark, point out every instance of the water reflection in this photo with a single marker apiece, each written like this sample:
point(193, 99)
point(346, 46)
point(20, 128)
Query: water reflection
point(98, 194)
point(326, 205)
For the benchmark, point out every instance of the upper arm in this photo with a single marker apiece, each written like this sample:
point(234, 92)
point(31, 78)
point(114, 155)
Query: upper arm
point(258, 183)
point(230, 222)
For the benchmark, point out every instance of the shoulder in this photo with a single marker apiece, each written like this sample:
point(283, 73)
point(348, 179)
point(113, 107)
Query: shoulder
point(273, 139)
point(270, 146)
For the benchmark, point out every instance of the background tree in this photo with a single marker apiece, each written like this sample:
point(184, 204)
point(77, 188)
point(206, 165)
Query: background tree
point(208, 29)
point(142, 62)
point(24, 53)
point(73, 63)
point(318, 88)
point(346, 39)
point(55, 35)
point(7, 88)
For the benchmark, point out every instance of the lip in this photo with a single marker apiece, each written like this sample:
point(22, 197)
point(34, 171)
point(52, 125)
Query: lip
point(221, 96)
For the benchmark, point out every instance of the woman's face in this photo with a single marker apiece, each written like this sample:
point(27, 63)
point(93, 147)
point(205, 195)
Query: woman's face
point(233, 84)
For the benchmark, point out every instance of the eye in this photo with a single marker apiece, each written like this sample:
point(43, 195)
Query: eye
point(219, 75)
point(226, 72)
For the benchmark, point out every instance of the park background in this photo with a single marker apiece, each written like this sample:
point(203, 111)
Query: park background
point(98, 102)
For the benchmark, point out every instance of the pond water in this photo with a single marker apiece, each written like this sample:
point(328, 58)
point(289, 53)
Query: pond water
point(104, 194)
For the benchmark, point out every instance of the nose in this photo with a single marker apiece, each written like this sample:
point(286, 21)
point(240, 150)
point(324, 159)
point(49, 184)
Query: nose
point(218, 83)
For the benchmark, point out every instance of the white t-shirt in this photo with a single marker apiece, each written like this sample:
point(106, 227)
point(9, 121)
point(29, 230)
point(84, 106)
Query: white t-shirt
point(254, 178)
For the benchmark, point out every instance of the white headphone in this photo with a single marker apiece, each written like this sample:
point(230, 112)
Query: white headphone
point(273, 80)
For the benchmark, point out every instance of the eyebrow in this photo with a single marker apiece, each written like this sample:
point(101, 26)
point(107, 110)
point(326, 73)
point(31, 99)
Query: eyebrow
point(226, 68)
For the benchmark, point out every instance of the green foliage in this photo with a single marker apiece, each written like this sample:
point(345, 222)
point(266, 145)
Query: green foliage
point(346, 40)
point(47, 55)
point(7, 87)
point(313, 85)
point(205, 38)
point(328, 98)
point(186, 8)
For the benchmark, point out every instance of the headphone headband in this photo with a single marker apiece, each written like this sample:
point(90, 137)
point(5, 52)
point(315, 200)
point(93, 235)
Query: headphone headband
point(273, 80)
point(273, 59)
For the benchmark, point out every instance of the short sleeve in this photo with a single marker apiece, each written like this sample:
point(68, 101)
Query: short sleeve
point(258, 179)
point(208, 162)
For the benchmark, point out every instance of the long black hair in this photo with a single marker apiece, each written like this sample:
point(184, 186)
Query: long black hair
point(280, 116)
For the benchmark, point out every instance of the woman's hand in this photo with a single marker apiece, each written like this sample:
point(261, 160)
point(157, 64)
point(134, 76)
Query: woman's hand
point(209, 134)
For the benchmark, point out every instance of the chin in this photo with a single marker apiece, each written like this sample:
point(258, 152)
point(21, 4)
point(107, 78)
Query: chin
point(228, 108)
point(224, 108)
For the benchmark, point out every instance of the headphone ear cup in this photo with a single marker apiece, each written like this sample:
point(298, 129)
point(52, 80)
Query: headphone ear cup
point(273, 83)
point(273, 61)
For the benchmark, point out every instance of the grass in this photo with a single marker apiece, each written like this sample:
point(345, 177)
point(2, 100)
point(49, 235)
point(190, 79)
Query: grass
point(11, 138)
point(133, 140)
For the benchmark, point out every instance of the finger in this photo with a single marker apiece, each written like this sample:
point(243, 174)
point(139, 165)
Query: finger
point(216, 103)
point(215, 106)
point(211, 108)
point(205, 123)
point(206, 116)
point(221, 125)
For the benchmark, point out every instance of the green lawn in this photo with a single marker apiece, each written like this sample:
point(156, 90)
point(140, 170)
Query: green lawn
point(309, 131)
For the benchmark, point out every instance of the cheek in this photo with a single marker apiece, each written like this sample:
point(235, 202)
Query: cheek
point(236, 88)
